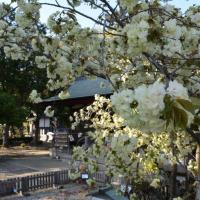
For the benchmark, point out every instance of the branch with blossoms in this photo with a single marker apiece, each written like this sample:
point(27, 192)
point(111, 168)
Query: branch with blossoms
point(149, 52)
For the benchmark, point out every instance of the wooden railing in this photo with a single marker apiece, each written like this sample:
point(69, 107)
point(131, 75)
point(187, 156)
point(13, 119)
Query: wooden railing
point(41, 181)
point(34, 182)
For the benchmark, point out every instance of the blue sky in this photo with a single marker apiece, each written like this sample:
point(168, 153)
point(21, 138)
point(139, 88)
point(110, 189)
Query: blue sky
point(183, 4)
point(47, 10)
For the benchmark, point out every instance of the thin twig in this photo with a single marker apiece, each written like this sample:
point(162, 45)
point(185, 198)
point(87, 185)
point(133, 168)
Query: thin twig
point(12, 10)
point(161, 68)
point(113, 12)
point(78, 12)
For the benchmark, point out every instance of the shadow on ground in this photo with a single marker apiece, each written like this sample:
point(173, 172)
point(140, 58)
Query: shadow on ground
point(20, 162)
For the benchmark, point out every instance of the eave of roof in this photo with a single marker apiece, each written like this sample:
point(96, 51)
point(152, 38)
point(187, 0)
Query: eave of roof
point(85, 88)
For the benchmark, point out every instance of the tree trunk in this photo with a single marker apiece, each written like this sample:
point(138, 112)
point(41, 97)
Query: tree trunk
point(5, 136)
point(37, 132)
point(21, 131)
point(198, 172)
point(173, 181)
point(172, 187)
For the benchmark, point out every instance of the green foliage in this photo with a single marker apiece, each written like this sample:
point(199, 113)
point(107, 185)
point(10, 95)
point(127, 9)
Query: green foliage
point(10, 112)
point(168, 108)
point(176, 111)
point(188, 105)
point(196, 101)
point(179, 116)
point(22, 145)
point(17, 79)
point(20, 77)
point(91, 182)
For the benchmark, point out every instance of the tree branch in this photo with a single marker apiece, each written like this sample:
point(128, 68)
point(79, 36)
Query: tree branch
point(113, 12)
point(91, 71)
point(78, 12)
point(12, 10)
point(162, 69)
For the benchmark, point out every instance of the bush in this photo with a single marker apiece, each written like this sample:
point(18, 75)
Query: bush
point(18, 141)
point(22, 145)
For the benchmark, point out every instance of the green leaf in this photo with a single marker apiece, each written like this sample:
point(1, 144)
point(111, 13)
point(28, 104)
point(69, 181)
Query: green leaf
point(57, 29)
point(180, 117)
point(196, 102)
point(174, 113)
point(187, 105)
point(167, 112)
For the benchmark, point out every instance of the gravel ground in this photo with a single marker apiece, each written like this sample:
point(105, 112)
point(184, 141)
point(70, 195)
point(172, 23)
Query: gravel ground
point(69, 192)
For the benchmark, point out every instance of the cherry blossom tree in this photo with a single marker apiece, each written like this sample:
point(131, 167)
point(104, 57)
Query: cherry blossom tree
point(149, 51)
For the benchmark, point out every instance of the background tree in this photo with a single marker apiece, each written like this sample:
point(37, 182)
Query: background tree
point(17, 79)
point(11, 114)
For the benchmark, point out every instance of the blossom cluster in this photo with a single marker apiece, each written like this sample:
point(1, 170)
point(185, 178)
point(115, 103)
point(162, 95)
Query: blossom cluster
point(143, 108)
point(35, 97)
point(127, 152)
point(49, 112)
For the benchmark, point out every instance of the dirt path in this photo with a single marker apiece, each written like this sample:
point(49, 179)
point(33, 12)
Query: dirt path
point(22, 152)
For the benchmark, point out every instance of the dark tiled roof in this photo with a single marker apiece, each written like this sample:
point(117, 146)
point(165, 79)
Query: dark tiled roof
point(86, 88)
